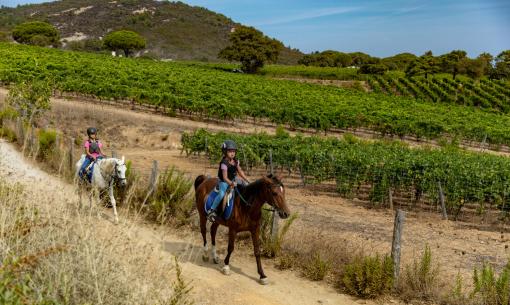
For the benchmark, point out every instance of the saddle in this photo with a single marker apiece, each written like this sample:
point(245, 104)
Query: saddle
point(226, 207)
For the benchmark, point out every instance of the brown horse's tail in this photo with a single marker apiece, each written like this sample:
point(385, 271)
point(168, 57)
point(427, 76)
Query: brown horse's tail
point(199, 181)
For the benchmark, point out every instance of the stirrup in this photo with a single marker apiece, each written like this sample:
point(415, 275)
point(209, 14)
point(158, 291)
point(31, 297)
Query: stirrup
point(211, 216)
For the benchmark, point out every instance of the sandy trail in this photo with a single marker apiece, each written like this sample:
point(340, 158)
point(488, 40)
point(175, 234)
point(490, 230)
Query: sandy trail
point(210, 286)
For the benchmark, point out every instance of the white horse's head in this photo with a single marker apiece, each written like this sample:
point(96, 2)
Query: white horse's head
point(120, 171)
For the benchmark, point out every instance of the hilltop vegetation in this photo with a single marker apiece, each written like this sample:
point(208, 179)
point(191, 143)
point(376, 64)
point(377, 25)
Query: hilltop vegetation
point(172, 29)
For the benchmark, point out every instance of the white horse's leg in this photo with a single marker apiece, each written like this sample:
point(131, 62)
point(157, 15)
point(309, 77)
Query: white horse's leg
point(114, 203)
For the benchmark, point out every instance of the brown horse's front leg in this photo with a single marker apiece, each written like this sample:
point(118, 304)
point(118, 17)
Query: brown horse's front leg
point(255, 232)
point(231, 240)
point(214, 229)
point(203, 230)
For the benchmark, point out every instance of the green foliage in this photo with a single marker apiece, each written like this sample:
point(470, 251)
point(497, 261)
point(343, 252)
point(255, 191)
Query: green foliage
point(420, 279)
point(4, 37)
point(378, 69)
point(30, 99)
point(465, 176)
point(316, 267)
point(9, 134)
point(181, 289)
point(492, 289)
point(502, 66)
point(16, 287)
point(250, 47)
point(270, 246)
point(368, 277)
point(191, 89)
point(172, 198)
point(87, 45)
point(36, 33)
point(128, 41)
point(47, 139)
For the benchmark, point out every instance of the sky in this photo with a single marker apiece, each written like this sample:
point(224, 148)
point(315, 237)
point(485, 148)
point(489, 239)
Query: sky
point(379, 28)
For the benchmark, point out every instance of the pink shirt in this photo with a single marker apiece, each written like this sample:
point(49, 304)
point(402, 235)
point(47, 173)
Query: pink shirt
point(224, 166)
point(87, 145)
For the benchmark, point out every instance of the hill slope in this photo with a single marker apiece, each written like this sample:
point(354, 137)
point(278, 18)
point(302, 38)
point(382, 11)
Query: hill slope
point(172, 29)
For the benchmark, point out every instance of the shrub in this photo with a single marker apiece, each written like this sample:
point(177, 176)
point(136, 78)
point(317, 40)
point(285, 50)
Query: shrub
point(172, 198)
point(47, 141)
point(270, 246)
point(368, 277)
point(316, 268)
point(420, 279)
point(37, 32)
point(490, 289)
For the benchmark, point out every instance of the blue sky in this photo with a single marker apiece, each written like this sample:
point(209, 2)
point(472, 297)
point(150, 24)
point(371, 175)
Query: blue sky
point(380, 28)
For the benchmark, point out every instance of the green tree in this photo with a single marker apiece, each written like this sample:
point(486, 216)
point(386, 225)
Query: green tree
point(502, 66)
point(399, 61)
point(30, 99)
point(126, 41)
point(488, 60)
point(423, 65)
point(36, 33)
point(453, 62)
point(250, 47)
point(378, 69)
point(474, 68)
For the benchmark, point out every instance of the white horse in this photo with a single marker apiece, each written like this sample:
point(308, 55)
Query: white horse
point(104, 174)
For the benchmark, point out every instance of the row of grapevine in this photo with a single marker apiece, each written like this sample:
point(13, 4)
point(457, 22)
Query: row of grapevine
point(465, 177)
point(191, 89)
point(486, 94)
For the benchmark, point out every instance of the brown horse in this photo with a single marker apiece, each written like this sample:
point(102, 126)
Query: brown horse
point(246, 215)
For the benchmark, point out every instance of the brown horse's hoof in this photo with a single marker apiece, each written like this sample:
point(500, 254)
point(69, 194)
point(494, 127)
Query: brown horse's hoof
point(264, 281)
point(225, 270)
point(205, 258)
point(216, 260)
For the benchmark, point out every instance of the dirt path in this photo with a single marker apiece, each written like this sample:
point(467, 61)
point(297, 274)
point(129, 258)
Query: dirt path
point(210, 286)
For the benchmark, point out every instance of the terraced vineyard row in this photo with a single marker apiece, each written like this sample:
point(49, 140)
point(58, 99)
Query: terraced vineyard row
point(465, 177)
point(179, 87)
point(487, 94)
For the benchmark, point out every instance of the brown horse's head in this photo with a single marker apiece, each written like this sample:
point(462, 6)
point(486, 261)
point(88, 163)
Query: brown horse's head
point(274, 194)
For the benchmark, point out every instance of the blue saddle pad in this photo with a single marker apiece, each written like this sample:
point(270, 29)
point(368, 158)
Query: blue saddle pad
point(88, 174)
point(228, 208)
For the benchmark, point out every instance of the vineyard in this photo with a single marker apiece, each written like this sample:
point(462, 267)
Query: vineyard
point(383, 167)
point(209, 93)
point(486, 94)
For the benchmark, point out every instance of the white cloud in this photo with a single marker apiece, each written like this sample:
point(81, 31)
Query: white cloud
point(307, 15)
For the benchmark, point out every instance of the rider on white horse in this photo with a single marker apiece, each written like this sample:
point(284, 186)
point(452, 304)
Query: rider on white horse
point(92, 151)
point(104, 172)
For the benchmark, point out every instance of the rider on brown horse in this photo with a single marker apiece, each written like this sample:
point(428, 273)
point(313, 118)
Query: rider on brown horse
point(229, 169)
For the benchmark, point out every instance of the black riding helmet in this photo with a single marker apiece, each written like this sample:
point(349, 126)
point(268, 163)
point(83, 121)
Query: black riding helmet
point(91, 131)
point(228, 145)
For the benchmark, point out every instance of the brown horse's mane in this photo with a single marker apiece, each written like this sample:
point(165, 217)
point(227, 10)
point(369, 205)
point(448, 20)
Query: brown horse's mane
point(249, 191)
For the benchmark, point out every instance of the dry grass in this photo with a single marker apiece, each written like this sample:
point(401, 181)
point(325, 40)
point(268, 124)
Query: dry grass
point(52, 252)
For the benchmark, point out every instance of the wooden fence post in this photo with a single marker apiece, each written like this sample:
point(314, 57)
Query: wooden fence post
point(71, 155)
point(19, 127)
point(154, 175)
point(397, 244)
point(57, 142)
point(152, 181)
point(390, 198)
point(274, 223)
point(441, 199)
